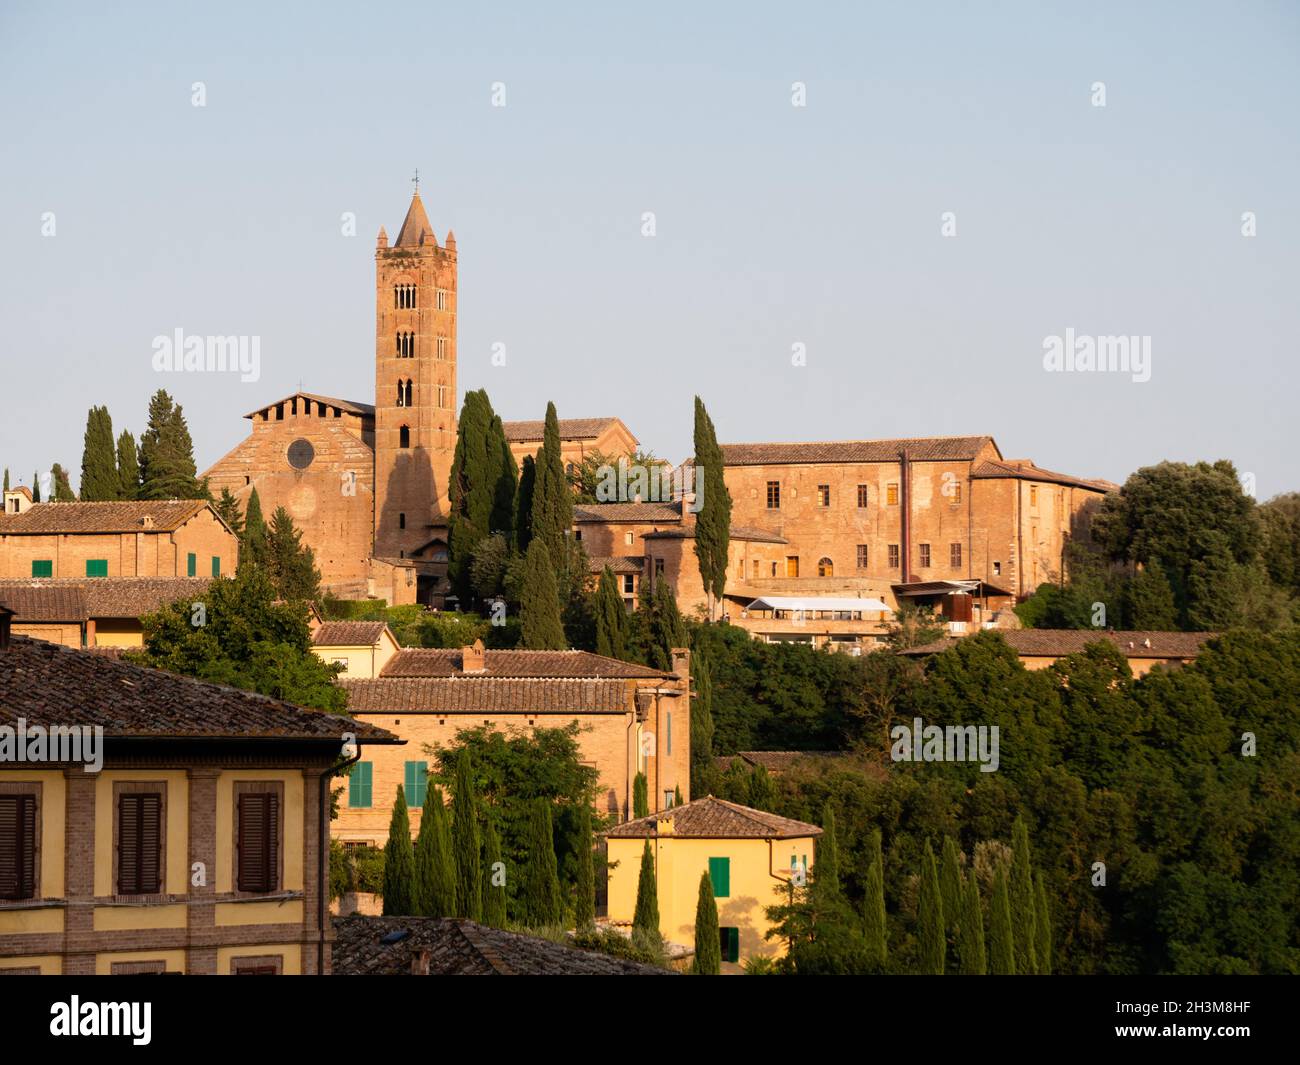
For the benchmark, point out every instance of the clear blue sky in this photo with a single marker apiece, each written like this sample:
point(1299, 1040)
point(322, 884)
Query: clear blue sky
point(776, 225)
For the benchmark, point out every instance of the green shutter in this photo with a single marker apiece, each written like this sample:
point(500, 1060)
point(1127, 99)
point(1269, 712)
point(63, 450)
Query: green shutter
point(216, 565)
point(96, 567)
point(720, 874)
point(729, 940)
point(359, 785)
point(670, 732)
point(42, 567)
point(191, 564)
point(417, 783)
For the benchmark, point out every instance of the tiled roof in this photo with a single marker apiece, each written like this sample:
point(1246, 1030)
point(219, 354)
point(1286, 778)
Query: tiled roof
point(415, 226)
point(1027, 471)
point(1056, 643)
point(570, 429)
point(711, 818)
point(645, 513)
point(349, 633)
point(31, 602)
point(426, 662)
point(921, 449)
point(347, 405)
point(738, 532)
point(48, 684)
point(457, 947)
point(473, 695)
point(618, 563)
point(119, 597)
point(133, 516)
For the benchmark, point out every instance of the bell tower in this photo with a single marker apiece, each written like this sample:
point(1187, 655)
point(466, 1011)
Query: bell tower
point(415, 383)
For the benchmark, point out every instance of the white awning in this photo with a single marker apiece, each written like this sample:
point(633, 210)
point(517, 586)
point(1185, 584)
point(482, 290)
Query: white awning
point(816, 602)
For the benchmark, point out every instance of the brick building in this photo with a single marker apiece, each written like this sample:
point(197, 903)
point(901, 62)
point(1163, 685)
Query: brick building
point(579, 438)
point(95, 612)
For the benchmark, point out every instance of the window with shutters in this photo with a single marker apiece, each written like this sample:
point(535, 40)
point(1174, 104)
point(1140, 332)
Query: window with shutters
point(96, 567)
point(216, 566)
point(823, 495)
point(720, 875)
point(257, 841)
point(42, 567)
point(191, 564)
point(139, 842)
point(359, 785)
point(891, 495)
point(954, 556)
point(417, 783)
point(18, 846)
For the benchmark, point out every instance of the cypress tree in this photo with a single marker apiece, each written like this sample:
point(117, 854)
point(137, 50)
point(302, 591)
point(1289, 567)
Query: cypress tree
point(640, 796)
point(762, 793)
point(827, 867)
point(584, 899)
point(290, 563)
point(524, 504)
point(128, 466)
point(950, 880)
point(930, 927)
point(701, 713)
point(874, 905)
point(399, 861)
point(540, 602)
point(167, 469)
point(539, 897)
point(645, 920)
point(708, 945)
point(713, 522)
point(505, 478)
point(99, 480)
point(253, 549)
point(1002, 953)
point(611, 618)
point(1043, 926)
point(494, 888)
point(553, 500)
point(1022, 900)
point(470, 491)
point(6, 478)
point(465, 837)
point(677, 795)
point(36, 487)
point(970, 932)
point(667, 630)
point(62, 488)
point(424, 892)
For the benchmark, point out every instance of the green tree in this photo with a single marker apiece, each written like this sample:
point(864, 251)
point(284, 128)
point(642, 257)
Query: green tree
point(611, 618)
point(1002, 954)
point(970, 932)
point(36, 487)
point(540, 892)
point(99, 477)
point(62, 488)
point(167, 469)
point(645, 919)
point(762, 793)
point(640, 796)
point(701, 720)
point(552, 510)
point(290, 563)
point(540, 602)
point(465, 838)
point(713, 521)
point(584, 896)
point(874, 904)
point(930, 920)
point(128, 466)
point(399, 861)
point(950, 880)
point(667, 630)
point(6, 478)
point(828, 854)
point(435, 859)
point(708, 944)
point(1043, 927)
point(254, 549)
point(494, 892)
point(523, 531)
point(1149, 600)
point(1022, 900)
point(481, 487)
point(227, 508)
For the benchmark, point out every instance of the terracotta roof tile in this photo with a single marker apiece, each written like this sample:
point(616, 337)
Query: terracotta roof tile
point(426, 662)
point(133, 516)
point(738, 532)
point(645, 513)
point(570, 429)
point(711, 818)
point(119, 597)
point(920, 449)
point(618, 563)
point(1027, 471)
point(32, 601)
point(1057, 643)
point(349, 633)
point(474, 695)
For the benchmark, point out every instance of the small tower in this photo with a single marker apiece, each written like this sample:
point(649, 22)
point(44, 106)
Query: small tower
point(415, 384)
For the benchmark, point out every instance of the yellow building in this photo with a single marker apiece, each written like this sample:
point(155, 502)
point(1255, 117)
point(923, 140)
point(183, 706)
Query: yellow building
point(94, 611)
point(174, 827)
point(362, 648)
point(747, 853)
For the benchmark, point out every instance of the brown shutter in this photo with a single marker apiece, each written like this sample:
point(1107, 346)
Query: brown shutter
point(17, 846)
point(139, 844)
point(259, 842)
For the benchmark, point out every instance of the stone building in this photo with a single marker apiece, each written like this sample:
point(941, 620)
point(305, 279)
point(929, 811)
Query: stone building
point(579, 437)
point(96, 612)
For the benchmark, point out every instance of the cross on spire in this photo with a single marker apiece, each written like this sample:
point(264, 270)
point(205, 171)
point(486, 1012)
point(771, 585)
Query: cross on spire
point(416, 180)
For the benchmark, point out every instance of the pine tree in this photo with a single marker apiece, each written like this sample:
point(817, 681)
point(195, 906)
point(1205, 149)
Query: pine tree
point(930, 926)
point(645, 919)
point(640, 796)
point(524, 504)
point(667, 630)
point(1022, 900)
point(611, 618)
point(36, 487)
point(167, 469)
point(1043, 926)
point(99, 479)
point(227, 508)
point(290, 563)
point(494, 894)
point(827, 867)
point(539, 896)
point(584, 899)
point(761, 791)
point(253, 549)
point(399, 861)
point(874, 905)
point(62, 488)
point(1002, 952)
point(970, 932)
point(540, 602)
point(465, 838)
point(713, 522)
point(708, 945)
point(950, 880)
point(128, 466)
point(553, 502)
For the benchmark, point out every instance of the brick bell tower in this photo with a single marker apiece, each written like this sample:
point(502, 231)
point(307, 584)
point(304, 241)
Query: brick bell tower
point(415, 383)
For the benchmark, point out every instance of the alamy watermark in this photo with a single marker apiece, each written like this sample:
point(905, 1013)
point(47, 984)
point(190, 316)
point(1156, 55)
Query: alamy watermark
point(652, 483)
point(58, 743)
point(1073, 353)
point(946, 743)
point(208, 354)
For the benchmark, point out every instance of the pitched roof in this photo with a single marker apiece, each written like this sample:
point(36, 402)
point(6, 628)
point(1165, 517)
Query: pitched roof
point(618, 563)
point(447, 662)
point(1057, 643)
point(48, 684)
point(570, 429)
point(474, 695)
point(457, 947)
point(711, 818)
point(117, 597)
point(31, 602)
point(1027, 471)
point(645, 513)
point(131, 516)
point(415, 226)
point(738, 532)
point(349, 633)
point(920, 449)
point(366, 410)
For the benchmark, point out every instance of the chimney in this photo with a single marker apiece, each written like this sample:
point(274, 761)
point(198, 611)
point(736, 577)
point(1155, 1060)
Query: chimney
point(472, 658)
point(420, 962)
point(681, 658)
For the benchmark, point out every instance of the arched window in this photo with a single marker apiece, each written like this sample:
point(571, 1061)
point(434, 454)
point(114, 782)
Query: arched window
point(404, 437)
point(408, 393)
point(401, 402)
point(825, 567)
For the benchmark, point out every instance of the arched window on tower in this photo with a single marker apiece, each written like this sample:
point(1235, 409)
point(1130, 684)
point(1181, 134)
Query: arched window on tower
point(401, 395)
point(408, 393)
point(404, 437)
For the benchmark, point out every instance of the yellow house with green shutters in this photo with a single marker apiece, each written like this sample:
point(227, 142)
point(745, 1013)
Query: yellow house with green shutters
point(747, 853)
